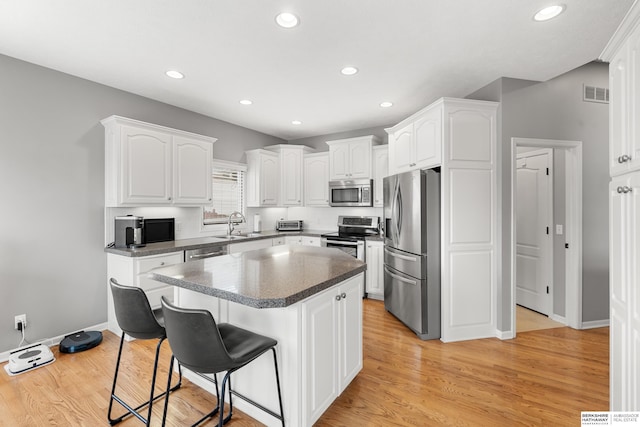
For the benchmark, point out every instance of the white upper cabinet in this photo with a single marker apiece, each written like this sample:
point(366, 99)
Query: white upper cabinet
point(380, 170)
point(263, 178)
point(416, 142)
point(624, 107)
point(192, 166)
point(291, 173)
point(351, 158)
point(316, 179)
point(151, 165)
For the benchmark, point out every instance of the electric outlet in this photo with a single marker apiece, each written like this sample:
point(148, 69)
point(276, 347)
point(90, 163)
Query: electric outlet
point(22, 318)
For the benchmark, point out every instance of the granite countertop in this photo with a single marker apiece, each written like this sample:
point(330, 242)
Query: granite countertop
point(265, 278)
point(202, 242)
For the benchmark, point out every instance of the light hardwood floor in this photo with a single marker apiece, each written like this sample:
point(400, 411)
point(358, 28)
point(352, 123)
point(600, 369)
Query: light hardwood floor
point(541, 378)
point(529, 320)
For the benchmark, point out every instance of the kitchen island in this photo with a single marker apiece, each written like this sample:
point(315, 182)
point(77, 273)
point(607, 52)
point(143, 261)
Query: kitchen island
point(307, 298)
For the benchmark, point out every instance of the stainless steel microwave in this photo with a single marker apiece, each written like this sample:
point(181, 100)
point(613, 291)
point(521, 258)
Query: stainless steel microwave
point(351, 192)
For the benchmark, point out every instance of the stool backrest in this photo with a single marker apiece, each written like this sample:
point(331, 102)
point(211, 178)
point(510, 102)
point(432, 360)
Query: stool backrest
point(133, 312)
point(195, 339)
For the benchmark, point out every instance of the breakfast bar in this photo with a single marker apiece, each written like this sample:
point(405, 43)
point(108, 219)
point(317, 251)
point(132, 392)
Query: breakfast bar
point(307, 298)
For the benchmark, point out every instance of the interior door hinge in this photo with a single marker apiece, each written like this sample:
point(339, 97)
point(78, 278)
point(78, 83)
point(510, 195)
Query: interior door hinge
point(547, 230)
point(547, 289)
point(566, 246)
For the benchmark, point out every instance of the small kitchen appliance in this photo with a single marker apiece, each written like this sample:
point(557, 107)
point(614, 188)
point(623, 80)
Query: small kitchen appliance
point(129, 232)
point(289, 225)
point(158, 230)
point(28, 358)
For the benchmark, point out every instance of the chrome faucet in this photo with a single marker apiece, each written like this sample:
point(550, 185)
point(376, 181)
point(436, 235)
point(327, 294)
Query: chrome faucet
point(233, 215)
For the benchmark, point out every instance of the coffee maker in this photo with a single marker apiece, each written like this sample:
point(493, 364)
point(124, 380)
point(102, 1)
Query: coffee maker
point(129, 232)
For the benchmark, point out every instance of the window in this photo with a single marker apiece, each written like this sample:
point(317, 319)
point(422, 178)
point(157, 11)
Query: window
point(228, 192)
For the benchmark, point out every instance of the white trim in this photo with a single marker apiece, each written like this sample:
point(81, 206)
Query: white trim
point(595, 324)
point(628, 24)
point(218, 163)
point(505, 335)
point(559, 319)
point(573, 159)
point(50, 342)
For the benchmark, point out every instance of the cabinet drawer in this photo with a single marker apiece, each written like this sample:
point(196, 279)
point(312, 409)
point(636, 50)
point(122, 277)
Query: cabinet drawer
point(146, 264)
point(310, 241)
point(155, 295)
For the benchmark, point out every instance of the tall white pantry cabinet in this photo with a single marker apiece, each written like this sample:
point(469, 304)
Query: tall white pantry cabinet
point(460, 137)
point(623, 55)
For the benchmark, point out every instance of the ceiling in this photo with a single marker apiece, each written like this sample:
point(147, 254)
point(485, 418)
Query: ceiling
point(409, 52)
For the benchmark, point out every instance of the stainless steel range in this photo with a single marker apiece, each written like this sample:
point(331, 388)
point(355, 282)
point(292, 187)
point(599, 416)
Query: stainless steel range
point(351, 234)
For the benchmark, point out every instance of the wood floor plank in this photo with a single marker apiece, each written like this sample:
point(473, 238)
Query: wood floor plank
point(540, 378)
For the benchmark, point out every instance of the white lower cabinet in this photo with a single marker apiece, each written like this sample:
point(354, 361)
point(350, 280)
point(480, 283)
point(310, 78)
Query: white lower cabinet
point(277, 241)
point(303, 240)
point(332, 334)
point(624, 246)
point(252, 245)
point(132, 271)
point(374, 256)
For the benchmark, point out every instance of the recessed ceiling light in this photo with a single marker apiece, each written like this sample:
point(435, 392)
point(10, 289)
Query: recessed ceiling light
point(287, 20)
point(175, 74)
point(386, 104)
point(296, 122)
point(246, 102)
point(549, 12)
point(349, 71)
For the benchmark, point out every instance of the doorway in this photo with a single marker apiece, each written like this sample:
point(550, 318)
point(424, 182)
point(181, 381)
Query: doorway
point(570, 313)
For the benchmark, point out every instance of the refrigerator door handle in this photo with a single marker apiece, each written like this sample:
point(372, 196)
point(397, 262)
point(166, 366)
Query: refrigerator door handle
point(395, 209)
point(403, 257)
point(400, 278)
point(400, 211)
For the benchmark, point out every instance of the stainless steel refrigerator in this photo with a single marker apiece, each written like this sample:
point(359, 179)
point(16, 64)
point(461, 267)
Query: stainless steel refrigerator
point(411, 222)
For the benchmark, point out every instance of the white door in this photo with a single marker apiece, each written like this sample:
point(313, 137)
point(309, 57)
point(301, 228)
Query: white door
point(533, 230)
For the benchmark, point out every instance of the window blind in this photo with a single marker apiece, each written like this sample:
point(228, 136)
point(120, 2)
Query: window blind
point(228, 192)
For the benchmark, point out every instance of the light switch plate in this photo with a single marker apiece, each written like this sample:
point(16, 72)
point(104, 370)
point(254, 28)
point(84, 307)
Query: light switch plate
point(559, 229)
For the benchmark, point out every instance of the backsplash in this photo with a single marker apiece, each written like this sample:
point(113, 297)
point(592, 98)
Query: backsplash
point(188, 220)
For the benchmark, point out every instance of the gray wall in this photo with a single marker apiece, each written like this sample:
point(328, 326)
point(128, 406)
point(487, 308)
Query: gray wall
point(52, 264)
point(554, 110)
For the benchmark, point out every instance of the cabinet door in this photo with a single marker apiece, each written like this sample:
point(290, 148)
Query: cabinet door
point(146, 167)
point(374, 277)
point(320, 350)
point(251, 245)
point(291, 179)
point(350, 330)
point(618, 112)
point(401, 150)
point(427, 140)
point(192, 165)
point(339, 167)
point(633, 92)
point(310, 241)
point(155, 290)
point(360, 159)
point(316, 180)
point(380, 170)
point(269, 179)
point(293, 240)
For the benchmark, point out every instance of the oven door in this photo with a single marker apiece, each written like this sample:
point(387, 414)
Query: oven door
point(355, 249)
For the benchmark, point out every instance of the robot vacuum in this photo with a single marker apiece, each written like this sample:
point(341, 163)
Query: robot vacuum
point(28, 358)
point(80, 341)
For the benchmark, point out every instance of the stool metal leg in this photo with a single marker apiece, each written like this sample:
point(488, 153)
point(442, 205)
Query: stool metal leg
point(275, 365)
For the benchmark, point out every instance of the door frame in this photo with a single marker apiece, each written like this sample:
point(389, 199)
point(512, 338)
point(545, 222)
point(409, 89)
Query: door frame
point(573, 226)
point(548, 245)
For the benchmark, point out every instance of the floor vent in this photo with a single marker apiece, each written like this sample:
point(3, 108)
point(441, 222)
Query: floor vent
point(596, 94)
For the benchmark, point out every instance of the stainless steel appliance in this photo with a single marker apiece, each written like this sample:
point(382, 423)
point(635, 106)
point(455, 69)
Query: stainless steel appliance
point(289, 225)
point(411, 223)
point(352, 231)
point(351, 192)
point(206, 252)
point(129, 232)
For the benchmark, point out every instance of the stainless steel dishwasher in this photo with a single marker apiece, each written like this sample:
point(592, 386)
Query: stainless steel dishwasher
point(206, 252)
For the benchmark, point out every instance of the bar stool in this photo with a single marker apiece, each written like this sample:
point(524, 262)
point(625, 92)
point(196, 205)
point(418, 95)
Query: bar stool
point(136, 319)
point(204, 347)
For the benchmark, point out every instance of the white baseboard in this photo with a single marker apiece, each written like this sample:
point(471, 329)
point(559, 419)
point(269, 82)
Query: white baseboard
point(505, 335)
point(50, 342)
point(560, 319)
point(595, 324)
